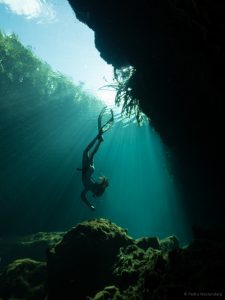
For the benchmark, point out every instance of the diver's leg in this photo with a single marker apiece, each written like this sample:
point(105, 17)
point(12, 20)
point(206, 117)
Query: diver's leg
point(91, 155)
point(87, 157)
point(91, 144)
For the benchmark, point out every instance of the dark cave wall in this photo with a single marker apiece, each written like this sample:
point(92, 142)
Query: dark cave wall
point(177, 50)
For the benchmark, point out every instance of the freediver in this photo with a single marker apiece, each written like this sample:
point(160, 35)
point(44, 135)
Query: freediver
point(96, 187)
point(90, 184)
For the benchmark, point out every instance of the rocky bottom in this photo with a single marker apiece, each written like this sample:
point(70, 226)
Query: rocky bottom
point(98, 260)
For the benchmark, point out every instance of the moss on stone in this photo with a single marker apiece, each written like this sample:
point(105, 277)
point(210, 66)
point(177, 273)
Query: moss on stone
point(109, 292)
point(24, 279)
point(29, 246)
point(86, 253)
point(97, 260)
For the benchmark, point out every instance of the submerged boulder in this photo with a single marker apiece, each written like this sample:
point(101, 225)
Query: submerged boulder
point(171, 272)
point(30, 246)
point(146, 242)
point(82, 263)
point(109, 292)
point(135, 267)
point(98, 260)
point(24, 279)
point(169, 243)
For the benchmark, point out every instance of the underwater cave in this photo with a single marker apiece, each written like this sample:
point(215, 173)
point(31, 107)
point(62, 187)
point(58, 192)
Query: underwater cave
point(133, 91)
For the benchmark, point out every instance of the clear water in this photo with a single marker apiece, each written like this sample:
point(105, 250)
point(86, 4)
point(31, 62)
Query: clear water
point(40, 187)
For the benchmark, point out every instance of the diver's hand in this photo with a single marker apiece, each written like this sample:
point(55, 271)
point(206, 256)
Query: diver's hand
point(92, 208)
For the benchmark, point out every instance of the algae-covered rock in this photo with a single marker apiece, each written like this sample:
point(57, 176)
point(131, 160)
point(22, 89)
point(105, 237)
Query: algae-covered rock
point(109, 292)
point(198, 267)
point(169, 243)
point(127, 268)
point(146, 242)
point(24, 279)
point(172, 272)
point(134, 267)
point(97, 260)
point(30, 246)
point(81, 264)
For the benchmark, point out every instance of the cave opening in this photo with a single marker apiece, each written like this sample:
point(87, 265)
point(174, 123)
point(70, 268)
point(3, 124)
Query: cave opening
point(43, 142)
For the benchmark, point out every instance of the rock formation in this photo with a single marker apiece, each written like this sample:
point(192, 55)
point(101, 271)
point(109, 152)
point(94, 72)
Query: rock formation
point(82, 263)
point(177, 50)
point(98, 260)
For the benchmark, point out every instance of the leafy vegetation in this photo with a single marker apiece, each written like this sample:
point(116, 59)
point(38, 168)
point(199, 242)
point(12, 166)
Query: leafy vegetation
point(123, 85)
point(27, 83)
point(42, 113)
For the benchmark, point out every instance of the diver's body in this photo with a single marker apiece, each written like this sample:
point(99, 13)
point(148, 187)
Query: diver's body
point(97, 188)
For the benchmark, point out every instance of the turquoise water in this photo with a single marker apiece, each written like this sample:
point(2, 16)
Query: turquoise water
point(41, 186)
point(45, 124)
point(142, 195)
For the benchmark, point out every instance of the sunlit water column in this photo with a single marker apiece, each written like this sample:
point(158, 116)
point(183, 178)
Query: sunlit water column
point(142, 195)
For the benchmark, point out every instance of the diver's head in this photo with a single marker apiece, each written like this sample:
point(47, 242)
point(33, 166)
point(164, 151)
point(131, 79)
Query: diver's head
point(100, 186)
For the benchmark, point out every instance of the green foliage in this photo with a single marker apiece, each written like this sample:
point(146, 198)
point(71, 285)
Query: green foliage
point(124, 92)
point(27, 83)
point(38, 108)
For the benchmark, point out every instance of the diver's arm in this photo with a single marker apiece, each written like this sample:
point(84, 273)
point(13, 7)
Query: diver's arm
point(84, 198)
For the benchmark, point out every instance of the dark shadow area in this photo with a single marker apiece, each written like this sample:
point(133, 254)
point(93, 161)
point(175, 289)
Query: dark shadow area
point(177, 49)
